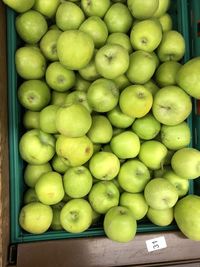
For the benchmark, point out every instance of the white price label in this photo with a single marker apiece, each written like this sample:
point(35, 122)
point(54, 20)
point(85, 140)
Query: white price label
point(156, 243)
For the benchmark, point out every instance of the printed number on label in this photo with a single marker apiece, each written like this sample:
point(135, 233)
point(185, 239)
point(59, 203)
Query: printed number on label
point(156, 243)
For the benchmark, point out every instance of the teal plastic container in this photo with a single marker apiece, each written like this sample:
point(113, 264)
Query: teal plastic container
point(180, 12)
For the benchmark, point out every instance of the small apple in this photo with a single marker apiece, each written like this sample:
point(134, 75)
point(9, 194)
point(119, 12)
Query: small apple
point(95, 7)
point(77, 182)
point(141, 68)
point(186, 163)
point(125, 145)
point(160, 217)
point(152, 87)
point(142, 9)
point(56, 224)
point(75, 49)
point(102, 95)
point(103, 196)
point(37, 147)
point(171, 105)
point(74, 150)
point(47, 119)
point(58, 98)
point(30, 63)
point(69, 16)
point(104, 165)
point(111, 61)
point(76, 216)
point(49, 188)
point(31, 120)
point(46, 7)
point(135, 101)
point(121, 82)
point(166, 22)
point(119, 119)
point(101, 130)
point(20, 6)
point(160, 194)
point(163, 6)
point(58, 164)
point(30, 196)
point(35, 217)
point(136, 203)
point(77, 97)
point(114, 24)
point(172, 46)
point(90, 72)
point(119, 224)
point(133, 176)
point(81, 84)
point(120, 38)
point(155, 148)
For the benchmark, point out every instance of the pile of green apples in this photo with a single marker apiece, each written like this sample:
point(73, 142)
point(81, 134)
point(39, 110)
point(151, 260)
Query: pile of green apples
point(106, 99)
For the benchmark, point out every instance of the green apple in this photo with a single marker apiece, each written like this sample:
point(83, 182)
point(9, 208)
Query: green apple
point(160, 194)
point(20, 6)
point(58, 164)
point(33, 172)
point(162, 8)
point(46, 7)
point(188, 77)
point(90, 72)
point(142, 9)
point(56, 224)
point(77, 182)
point(146, 127)
point(166, 22)
point(121, 82)
point(181, 184)
point(111, 61)
point(30, 63)
point(30, 196)
point(102, 95)
point(95, 217)
point(35, 217)
point(171, 105)
point(135, 202)
point(104, 165)
point(114, 24)
point(95, 7)
point(48, 44)
point(101, 130)
point(160, 217)
point(47, 119)
point(58, 98)
point(77, 97)
point(125, 145)
point(119, 119)
point(75, 150)
point(69, 16)
point(59, 78)
point(155, 148)
point(97, 29)
point(34, 94)
point(81, 84)
point(133, 176)
point(103, 196)
point(141, 68)
point(75, 49)
point(119, 224)
point(135, 101)
point(73, 121)
point(172, 46)
point(36, 147)
point(120, 38)
point(187, 216)
point(49, 188)
point(31, 120)
point(186, 163)
point(161, 172)
point(176, 137)
point(146, 35)
point(76, 216)
point(152, 87)
point(166, 73)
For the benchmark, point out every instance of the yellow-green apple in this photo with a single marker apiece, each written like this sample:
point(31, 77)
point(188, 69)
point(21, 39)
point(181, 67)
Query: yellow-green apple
point(35, 217)
point(142, 9)
point(81, 84)
point(120, 38)
point(160, 217)
point(135, 101)
point(104, 165)
point(58, 98)
point(152, 87)
point(75, 49)
point(56, 224)
point(90, 72)
point(30, 196)
point(77, 182)
point(160, 194)
point(47, 119)
point(31, 119)
point(163, 6)
point(133, 176)
point(58, 164)
point(119, 224)
point(166, 22)
point(121, 82)
point(36, 147)
point(103, 196)
point(77, 97)
point(119, 119)
point(112, 60)
point(171, 105)
point(46, 7)
point(49, 188)
point(95, 7)
point(135, 202)
point(76, 216)
point(20, 6)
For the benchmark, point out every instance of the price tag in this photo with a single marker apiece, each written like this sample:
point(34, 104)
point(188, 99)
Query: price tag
point(156, 243)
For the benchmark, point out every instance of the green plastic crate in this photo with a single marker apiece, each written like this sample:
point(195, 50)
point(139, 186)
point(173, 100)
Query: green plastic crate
point(180, 13)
